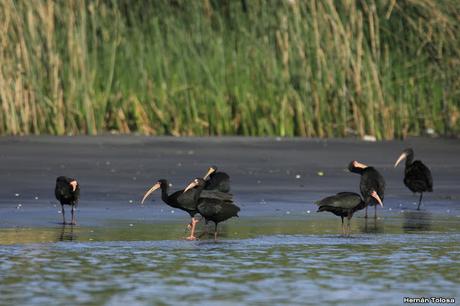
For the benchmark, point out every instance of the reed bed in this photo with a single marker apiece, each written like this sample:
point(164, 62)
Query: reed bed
point(313, 68)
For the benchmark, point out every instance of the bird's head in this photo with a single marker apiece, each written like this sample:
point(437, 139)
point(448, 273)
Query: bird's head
point(356, 166)
point(375, 195)
point(73, 183)
point(406, 154)
point(211, 170)
point(197, 182)
point(159, 184)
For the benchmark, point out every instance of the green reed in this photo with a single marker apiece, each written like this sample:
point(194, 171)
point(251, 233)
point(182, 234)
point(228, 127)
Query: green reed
point(318, 68)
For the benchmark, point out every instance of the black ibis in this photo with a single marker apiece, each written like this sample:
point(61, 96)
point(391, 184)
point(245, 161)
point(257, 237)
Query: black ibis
point(345, 204)
point(417, 176)
point(67, 192)
point(213, 209)
point(371, 180)
point(185, 200)
point(219, 181)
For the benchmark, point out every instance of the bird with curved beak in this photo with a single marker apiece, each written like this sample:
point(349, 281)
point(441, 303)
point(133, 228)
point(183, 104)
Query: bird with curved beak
point(67, 192)
point(371, 180)
point(181, 199)
point(217, 208)
point(417, 176)
point(345, 204)
point(217, 181)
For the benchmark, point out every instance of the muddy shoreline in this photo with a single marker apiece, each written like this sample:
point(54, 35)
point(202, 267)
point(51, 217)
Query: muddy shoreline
point(271, 177)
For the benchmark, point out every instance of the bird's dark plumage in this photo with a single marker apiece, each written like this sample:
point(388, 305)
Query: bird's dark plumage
point(185, 200)
point(219, 181)
point(417, 176)
point(214, 209)
point(371, 180)
point(343, 204)
point(67, 192)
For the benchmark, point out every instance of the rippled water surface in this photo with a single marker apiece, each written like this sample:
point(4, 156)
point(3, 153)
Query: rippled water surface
point(290, 261)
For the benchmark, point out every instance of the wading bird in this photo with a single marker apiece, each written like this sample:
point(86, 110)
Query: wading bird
point(345, 204)
point(219, 181)
point(185, 200)
point(67, 192)
point(417, 176)
point(215, 209)
point(371, 180)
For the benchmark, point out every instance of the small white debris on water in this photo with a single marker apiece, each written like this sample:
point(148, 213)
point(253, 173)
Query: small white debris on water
point(130, 201)
point(288, 212)
point(297, 176)
point(134, 178)
point(59, 212)
point(430, 131)
point(278, 138)
point(259, 181)
point(107, 162)
point(113, 170)
point(172, 211)
point(308, 211)
point(448, 211)
point(131, 225)
point(16, 194)
point(263, 201)
point(389, 209)
point(91, 239)
point(191, 152)
point(320, 173)
point(369, 138)
point(179, 164)
point(36, 198)
point(19, 206)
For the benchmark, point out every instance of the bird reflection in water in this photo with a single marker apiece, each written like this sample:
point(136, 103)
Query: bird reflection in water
point(67, 233)
point(416, 221)
point(375, 226)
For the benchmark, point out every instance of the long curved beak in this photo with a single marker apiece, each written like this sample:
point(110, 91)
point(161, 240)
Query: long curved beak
point(210, 171)
point(190, 186)
point(376, 196)
point(402, 157)
point(359, 165)
point(74, 184)
point(154, 187)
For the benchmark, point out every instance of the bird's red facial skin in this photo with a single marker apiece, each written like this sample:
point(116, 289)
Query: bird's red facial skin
point(74, 185)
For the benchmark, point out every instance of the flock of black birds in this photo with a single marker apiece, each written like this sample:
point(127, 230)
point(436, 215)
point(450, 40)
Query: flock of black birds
point(209, 196)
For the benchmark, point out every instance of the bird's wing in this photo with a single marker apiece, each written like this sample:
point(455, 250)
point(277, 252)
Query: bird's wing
point(341, 199)
point(420, 175)
point(212, 194)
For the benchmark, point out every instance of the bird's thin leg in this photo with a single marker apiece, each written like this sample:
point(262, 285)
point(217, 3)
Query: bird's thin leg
point(63, 214)
point(215, 232)
point(375, 211)
point(74, 217)
point(192, 232)
point(343, 231)
point(348, 226)
point(365, 215)
point(420, 200)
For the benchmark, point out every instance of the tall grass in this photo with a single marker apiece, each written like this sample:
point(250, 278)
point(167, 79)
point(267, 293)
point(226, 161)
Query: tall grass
point(315, 68)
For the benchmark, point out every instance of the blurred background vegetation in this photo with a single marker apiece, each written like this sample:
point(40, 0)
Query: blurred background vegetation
point(315, 68)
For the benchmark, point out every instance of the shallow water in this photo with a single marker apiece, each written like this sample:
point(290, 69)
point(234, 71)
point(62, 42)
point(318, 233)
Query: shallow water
point(285, 261)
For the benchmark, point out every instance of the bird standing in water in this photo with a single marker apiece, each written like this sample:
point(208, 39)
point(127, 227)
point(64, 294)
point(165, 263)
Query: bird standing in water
point(185, 200)
point(345, 204)
point(215, 209)
point(219, 181)
point(371, 180)
point(417, 176)
point(67, 192)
